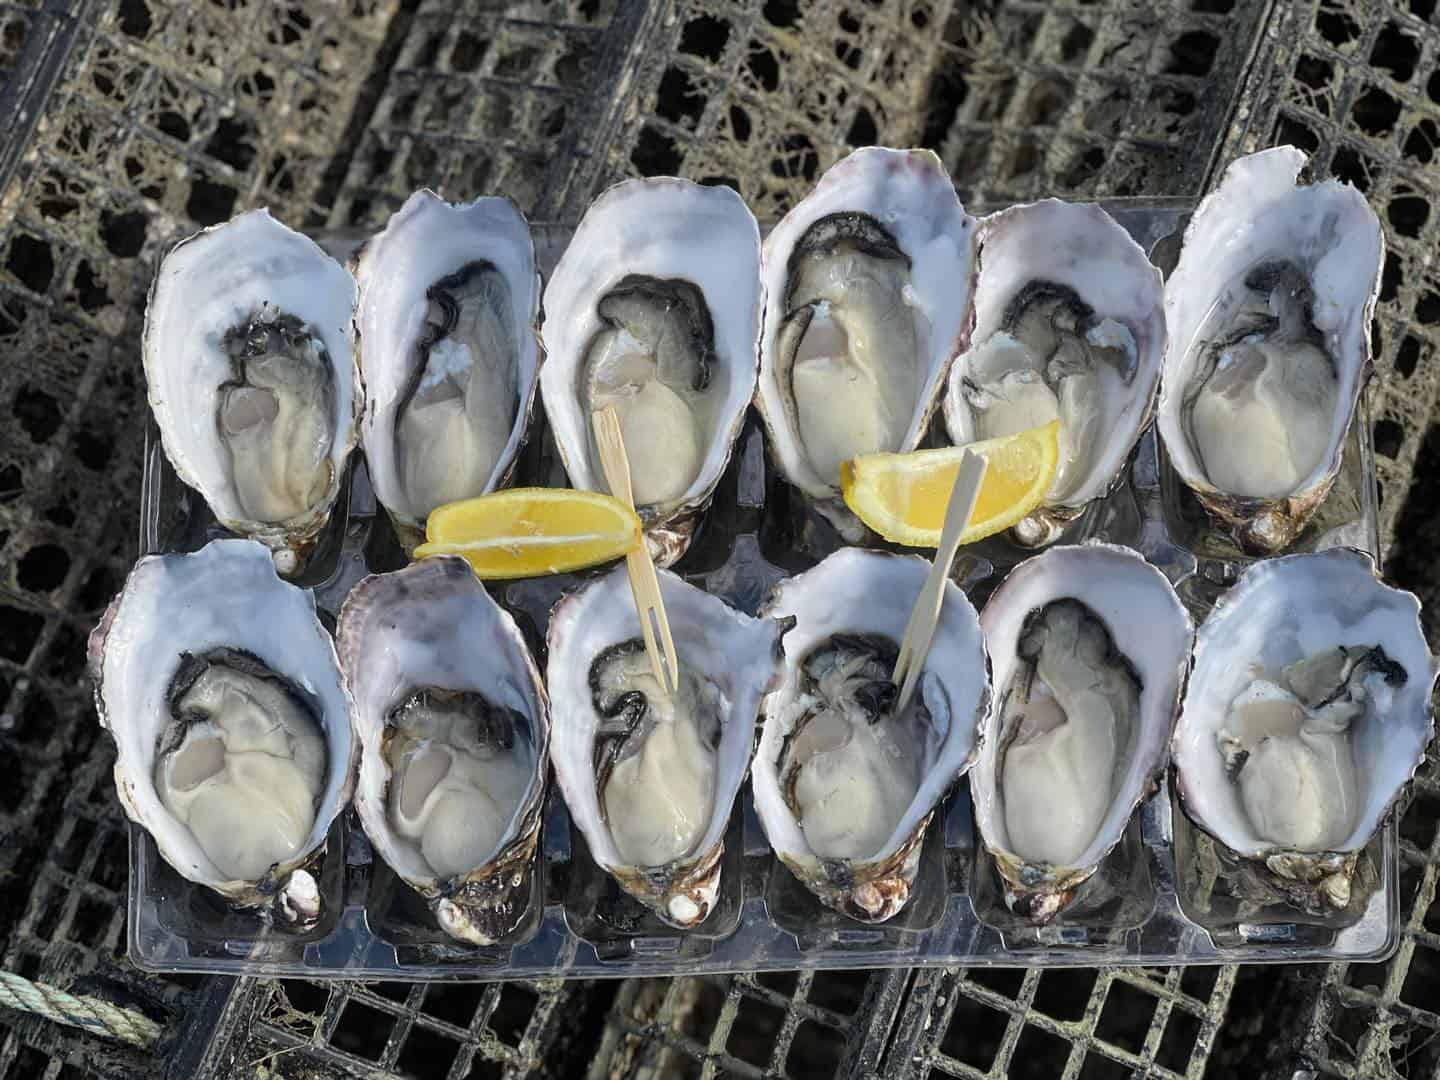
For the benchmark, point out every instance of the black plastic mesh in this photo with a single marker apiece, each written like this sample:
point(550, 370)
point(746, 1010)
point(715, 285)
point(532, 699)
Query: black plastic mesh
point(124, 123)
point(1062, 1023)
point(1109, 98)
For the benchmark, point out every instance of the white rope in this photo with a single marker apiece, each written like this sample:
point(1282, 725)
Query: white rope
point(92, 1014)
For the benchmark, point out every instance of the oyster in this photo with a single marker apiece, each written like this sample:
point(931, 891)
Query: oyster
point(447, 344)
point(654, 309)
point(1307, 711)
point(1089, 646)
point(845, 788)
point(651, 779)
point(251, 379)
point(234, 747)
point(1069, 325)
point(454, 729)
point(867, 281)
point(1269, 313)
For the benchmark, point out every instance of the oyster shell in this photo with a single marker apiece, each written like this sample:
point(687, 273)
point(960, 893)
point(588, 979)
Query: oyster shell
point(1307, 711)
point(454, 728)
point(1089, 646)
point(650, 781)
point(447, 345)
point(867, 281)
point(1068, 325)
point(655, 309)
point(1269, 313)
point(844, 788)
point(234, 747)
point(251, 379)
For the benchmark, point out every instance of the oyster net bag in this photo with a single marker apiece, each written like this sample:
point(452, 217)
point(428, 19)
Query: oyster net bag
point(125, 123)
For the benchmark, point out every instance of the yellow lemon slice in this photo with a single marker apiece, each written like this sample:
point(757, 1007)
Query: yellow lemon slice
point(527, 532)
point(903, 496)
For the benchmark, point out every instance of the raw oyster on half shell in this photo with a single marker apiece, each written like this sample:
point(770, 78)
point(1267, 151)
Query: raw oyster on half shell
point(234, 746)
point(845, 788)
point(654, 309)
point(1307, 711)
point(448, 347)
point(651, 779)
point(454, 728)
point(867, 282)
point(1269, 315)
point(1089, 645)
point(1068, 326)
point(251, 379)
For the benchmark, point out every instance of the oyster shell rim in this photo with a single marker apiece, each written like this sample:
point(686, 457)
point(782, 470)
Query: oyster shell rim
point(274, 888)
point(296, 535)
point(1263, 524)
point(365, 266)
point(1051, 516)
point(1045, 885)
point(695, 876)
point(463, 903)
point(927, 168)
point(672, 527)
point(1184, 792)
point(837, 882)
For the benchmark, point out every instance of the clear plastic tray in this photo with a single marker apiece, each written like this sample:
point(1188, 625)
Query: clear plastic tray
point(1166, 895)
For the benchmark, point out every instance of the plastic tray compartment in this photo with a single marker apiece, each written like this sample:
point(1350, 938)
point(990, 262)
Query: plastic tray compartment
point(1165, 896)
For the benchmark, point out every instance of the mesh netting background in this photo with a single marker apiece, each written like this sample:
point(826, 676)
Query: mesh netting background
point(126, 123)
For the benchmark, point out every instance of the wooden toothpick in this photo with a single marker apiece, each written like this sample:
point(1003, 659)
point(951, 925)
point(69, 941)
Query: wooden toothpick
point(925, 615)
point(644, 582)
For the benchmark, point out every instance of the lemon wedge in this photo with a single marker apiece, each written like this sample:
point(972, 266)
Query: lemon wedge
point(528, 532)
point(903, 496)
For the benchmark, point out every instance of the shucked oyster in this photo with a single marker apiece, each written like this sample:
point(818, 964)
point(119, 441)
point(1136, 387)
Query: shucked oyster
point(1269, 314)
point(1068, 326)
point(454, 729)
point(867, 282)
point(1089, 645)
point(234, 748)
point(251, 379)
point(1307, 710)
point(844, 787)
point(651, 779)
point(654, 310)
point(447, 344)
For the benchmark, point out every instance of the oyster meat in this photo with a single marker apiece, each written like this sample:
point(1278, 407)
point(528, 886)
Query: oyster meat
point(234, 748)
point(867, 281)
point(843, 786)
point(1089, 645)
point(447, 344)
point(1307, 711)
point(1269, 312)
point(654, 310)
point(650, 778)
point(1069, 326)
point(251, 379)
point(454, 727)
